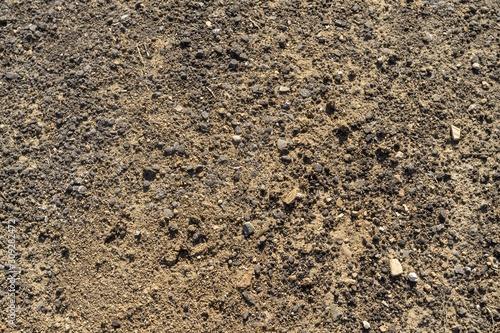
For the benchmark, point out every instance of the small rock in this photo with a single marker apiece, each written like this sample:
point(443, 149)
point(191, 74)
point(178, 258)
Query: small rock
point(248, 229)
point(305, 93)
point(284, 89)
point(233, 64)
point(455, 133)
point(185, 42)
point(291, 196)
point(399, 155)
point(459, 270)
point(173, 227)
point(200, 54)
point(11, 76)
point(282, 144)
point(168, 213)
point(339, 203)
point(476, 66)
point(413, 277)
point(335, 312)
point(461, 311)
point(306, 282)
point(366, 325)
point(442, 215)
point(236, 139)
point(437, 228)
point(249, 298)
point(396, 268)
point(245, 280)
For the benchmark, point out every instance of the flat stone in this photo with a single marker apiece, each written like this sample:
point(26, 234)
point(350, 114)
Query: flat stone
point(284, 89)
point(339, 203)
point(396, 268)
point(291, 196)
point(455, 133)
point(236, 138)
point(11, 76)
point(245, 280)
point(282, 144)
point(335, 312)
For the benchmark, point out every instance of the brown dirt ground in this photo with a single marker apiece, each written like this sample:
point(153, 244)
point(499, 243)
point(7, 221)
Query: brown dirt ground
point(138, 137)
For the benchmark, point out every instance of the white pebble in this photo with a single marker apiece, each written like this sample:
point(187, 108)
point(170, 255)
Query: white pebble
point(413, 277)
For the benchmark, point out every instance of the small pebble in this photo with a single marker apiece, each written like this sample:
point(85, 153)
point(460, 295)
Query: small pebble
point(413, 277)
point(366, 325)
point(461, 311)
point(282, 144)
point(339, 203)
point(11, 76)
point(233, 64)
point(236, 138)
point(455, 133)
point(249, 298)
point(291, 196)
point(459, 270)
point(168, 213)
point(395, 267)
point(248, 229)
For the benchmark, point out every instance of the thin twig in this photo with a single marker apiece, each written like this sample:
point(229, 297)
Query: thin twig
point(322, 143)
point(211, 92)
point(491, 317)
point(140, 56)
point(253, 22)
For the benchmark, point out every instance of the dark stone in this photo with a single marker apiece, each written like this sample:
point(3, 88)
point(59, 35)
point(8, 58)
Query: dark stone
point(186, 42)
point(233, 64)
point(200, 54)
point(116, 324)
point(11, 76)
point(442, 215)
point(248, 229)
point(248, 297)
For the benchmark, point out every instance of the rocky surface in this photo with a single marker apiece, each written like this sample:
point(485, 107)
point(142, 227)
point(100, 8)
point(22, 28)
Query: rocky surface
point(250, 166)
